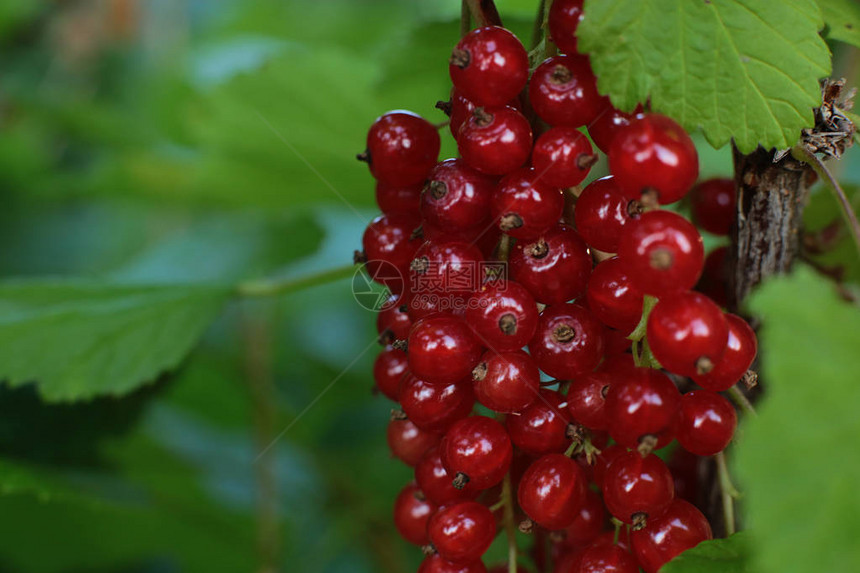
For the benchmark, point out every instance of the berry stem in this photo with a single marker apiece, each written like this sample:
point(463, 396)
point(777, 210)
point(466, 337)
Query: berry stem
point(728, 492)
point(510, 526)
point(539, 25)
point(484, 12)
point(504, 248)
point(465, 18)
point(742, 401)
point(647, 305)
point(280, 286)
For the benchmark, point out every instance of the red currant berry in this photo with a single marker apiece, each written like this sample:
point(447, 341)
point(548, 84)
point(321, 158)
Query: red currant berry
point(612, 297)
point(506, 381)
point(437, 564)
point(393, 322)
point(436, 483)
point(738, 357)
point(714, 282)
point(644, 403)
point(563, 91)
point(445, 270)
point(388, 369)
point(608, 123)
point(663, 253)
point(398, 198)
point(461, 109)
point(552, 491)
point(568, 341)
point(503, 315)
point(442, 349)
point(636, 488)
point(456, 196)
point(602, 461)
point(461, 533)
point(542, 427)
point(706, 422)
point(616, 342)
point(408, 442)
point(654, 154)
point(712, 205)
point(477, 450)
point(619, 365)
point(412, 511)
point(524, 206)
point(687, 333)
point(562, 157)
point(389, 247)
point(434, 407)
point(586, 399)
point(555, 268)
point(402, 147)
point(685, 473)
point(588, 525)
point(489, 66)
point(601, 212)
point(607, 558)
point(564, 17)
point(681, 527)
point(495, 140)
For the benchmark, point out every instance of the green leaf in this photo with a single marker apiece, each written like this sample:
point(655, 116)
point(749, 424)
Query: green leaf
point(728, 555)
point(746, 70)
point(77, 340)
point(823, 218)
point(797, 463)
point(20, 478)
point(843, 20)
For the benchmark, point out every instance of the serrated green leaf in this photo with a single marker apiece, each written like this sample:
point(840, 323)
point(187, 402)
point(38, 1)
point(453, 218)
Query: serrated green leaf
point(797, 463)
point(746, 70)
point(729, 555)
point(843, 20)
point(77, 340)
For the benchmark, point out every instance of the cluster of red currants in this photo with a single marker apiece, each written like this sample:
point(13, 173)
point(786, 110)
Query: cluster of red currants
point(579, 440)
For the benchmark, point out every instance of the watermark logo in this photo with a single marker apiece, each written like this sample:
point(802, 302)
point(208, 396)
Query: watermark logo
point(368, 282)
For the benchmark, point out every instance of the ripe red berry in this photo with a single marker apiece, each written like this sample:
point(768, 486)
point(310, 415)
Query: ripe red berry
point(641, 404)
point(740, 352)
point(681, 527)
point(554, 268)
point(552, 491)
point(562, 157)
point(687, 333)
point(489, 66)
point(564, 17)
point(568, 341)
point(612, 297)
point(637, 488)
point(462, 532)
point(601, 213)
point(478, 451)
point(393, 322)
point(388, 369)
point(608, 123)
point(389, 247)
point(712, 205)
point(408, 442)
point(706, 422)
point(461, 109)
point(412, 511)
point(434, 407)
point(663, 253)
point(654, 154)
point(542, 427)
point(524, 206)
point(586, 399)
point(495, 140)
point(456, 196)
point(506, 381)
point(603, 459)
point(589, 523)
point(402, 147)
point(437, 564)
point(563, 91)
point(442, 349)
point(445, 269)
point(607, 558)
point(398, 198)
point(436, 483)
point(503, 315)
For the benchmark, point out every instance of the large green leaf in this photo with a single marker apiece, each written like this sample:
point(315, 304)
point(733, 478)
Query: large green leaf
point(797, 461)
point(729, 555)
point(843, 20)
point(77, 340)
point(746, 70)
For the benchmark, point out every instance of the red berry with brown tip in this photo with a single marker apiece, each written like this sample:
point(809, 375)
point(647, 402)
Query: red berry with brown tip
point(706, 422)
point(712, 205)
point(462, 532)
point(740, 352)
point(477, 451)
point(524, 206)
point(601, 213)
point(495, 140)
point(636, 488)
point(489, 66)
point(562, 157)
point(402, 147)
point(554, 268)
point(506, 382)
point(552, 491)
point(434, 407)
point(388, 370)
point(563, 91)
point(408, 442)
point(412, 511)
point(568, 341)
point(456, 196)
point(542, 427)
point(681, 527)
point(503, 315)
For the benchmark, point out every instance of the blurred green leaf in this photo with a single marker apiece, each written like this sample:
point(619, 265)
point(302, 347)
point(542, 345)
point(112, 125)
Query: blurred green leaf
point(843, 20)
point(824, 223)
point(17, 13)
point(729, 555)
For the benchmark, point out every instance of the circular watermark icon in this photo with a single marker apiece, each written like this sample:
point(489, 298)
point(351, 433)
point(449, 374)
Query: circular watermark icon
point(368, 285)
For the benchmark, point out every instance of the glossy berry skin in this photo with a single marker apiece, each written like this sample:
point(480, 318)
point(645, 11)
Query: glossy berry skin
point(495, 140)
point(706, 422)
point(489, 66)
point(637, 488)
point(456, 196)
point(687, 333)
point(408, 442)
point(434, 407)
point(608, 123)
point(389, 248)
point(445, 268)
point(388, 369)
point(563, 91)
point(411, 514)
point(712, 205)
point(607, 558)
point(402, 147)
point(654, 153)
point(589, 523)
point(392, 321)
point(462, 532)
point(601, 213)
point(398, 198)
point(480, 448)
point(612, 297)
point(524, 206)
point(740, 352)
point(564, 18)
point(663, 253)
point(436, 483)
point(506, 382)
point(503, 315)
point(681, 527)
point(554, 268)
point(586, 399)
point(562, 157)
point(437, 564)
point(442, 349)
point(642, 403)
point(461, 110)
point(568, 341)
point(603, 459)
point(541, 428)
point(714, 281)
point(552, 491)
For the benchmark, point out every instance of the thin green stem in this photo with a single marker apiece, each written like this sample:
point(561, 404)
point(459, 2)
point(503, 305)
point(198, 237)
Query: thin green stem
point(618, 525)
point(510, 526)
point(728, 493)
point(539, 25)
point(647, 305)
point(275, 287)
point(742, 401)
